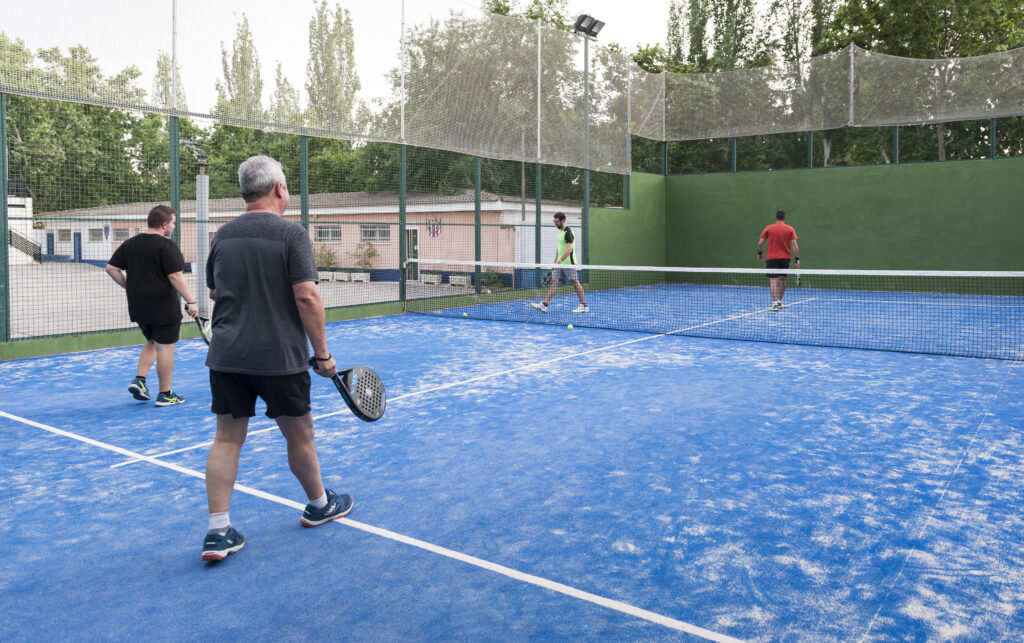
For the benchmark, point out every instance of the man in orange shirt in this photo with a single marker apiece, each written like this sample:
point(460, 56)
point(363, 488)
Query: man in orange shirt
point(781, 238)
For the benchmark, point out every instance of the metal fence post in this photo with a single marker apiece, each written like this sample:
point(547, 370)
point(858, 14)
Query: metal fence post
point(732, 153)
point(5, 271)
point(402, 250)
point(896, 144)
point(304, 181)
point(810, 149)
point(992, 138)
point(476, 226)
point(175, 196)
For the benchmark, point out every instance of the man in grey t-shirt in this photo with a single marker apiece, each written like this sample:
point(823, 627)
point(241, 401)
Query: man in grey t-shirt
point(262, 278)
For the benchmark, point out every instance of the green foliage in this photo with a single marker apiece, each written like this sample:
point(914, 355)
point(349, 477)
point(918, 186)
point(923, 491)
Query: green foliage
point(324, 256)
point(363, 256)
point(331, 78)
point(239, 92)
point(492, 280)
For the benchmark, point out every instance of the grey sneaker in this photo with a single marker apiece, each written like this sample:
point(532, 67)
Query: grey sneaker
point(542, 307)
point(582, 308)
point(338, 505)
point(138, 389)
point(169, 399)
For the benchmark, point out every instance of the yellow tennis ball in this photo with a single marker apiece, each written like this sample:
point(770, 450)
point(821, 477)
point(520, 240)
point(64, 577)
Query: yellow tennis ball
point(569, 326)
point(465, 315)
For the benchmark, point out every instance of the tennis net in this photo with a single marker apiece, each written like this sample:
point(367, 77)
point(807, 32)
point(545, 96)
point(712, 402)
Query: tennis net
point(969, 314)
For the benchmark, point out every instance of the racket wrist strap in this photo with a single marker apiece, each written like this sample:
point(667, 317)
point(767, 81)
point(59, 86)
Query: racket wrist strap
point(314, 359)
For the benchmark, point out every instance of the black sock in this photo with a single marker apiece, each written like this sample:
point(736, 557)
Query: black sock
point(141, 377)
point(167, 392)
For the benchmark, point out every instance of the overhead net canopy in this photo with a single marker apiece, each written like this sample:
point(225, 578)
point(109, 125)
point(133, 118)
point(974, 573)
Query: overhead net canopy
point(482, 84)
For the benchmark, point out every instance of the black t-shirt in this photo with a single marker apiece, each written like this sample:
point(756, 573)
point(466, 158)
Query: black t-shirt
point(148, 259)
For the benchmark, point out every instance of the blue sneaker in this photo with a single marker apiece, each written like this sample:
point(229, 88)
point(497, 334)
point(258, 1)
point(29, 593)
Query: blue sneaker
point(168, 399)
point(338, 505)
point(138, 389)
point(219, 546)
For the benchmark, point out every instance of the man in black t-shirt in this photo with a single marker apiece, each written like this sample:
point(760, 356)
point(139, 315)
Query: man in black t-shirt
point(155, 278)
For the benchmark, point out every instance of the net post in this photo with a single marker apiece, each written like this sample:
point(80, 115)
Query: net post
point(304, 181)
point(476, 224)
point(402, 250)
point(175, 160)
point(992, 138)
point(5, 272)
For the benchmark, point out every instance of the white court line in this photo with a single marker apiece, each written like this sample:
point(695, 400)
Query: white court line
point(538, 581)
point(935, 508)
point(493, 375)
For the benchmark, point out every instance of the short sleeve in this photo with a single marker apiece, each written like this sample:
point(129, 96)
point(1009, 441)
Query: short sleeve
point(170, 258)
point(569, 237)
point(209, 267)
point(792, 233)
point(301, 264)
point(764, 233)
point(117, 259)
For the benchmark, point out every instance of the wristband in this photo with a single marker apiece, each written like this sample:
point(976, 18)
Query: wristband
point(798, 258)
point(760, 252)
point(314, 359)
point(190, 303)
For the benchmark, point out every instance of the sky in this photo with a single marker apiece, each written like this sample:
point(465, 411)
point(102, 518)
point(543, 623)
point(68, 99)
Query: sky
point(120, 33)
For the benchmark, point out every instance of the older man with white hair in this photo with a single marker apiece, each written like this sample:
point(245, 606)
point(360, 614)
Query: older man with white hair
point(263, 280)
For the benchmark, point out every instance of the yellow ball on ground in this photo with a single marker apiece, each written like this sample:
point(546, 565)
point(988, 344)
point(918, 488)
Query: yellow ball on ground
point(570, 327)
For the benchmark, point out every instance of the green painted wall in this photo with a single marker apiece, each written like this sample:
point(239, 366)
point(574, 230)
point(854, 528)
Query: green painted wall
point(965, 215)
point(631, 237)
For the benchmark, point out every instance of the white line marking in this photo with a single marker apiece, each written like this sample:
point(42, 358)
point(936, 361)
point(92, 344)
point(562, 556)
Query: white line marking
point(492, 375)
point(531, 579)
point(935, 508)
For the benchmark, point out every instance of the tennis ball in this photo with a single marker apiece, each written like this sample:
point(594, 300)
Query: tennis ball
point(465, 315)
point(569, 327)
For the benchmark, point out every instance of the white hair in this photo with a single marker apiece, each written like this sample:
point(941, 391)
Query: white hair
point(257, 176)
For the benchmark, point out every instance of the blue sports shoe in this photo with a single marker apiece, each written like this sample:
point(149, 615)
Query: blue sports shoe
point(219, 546)
point(138, 389)
point(168, 399)
point(338, 505)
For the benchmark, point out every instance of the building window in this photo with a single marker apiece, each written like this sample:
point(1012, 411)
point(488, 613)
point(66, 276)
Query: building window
point(373, 233)
point(95, 235)
point(120, 234)
point(326, 233)
point(64, 235)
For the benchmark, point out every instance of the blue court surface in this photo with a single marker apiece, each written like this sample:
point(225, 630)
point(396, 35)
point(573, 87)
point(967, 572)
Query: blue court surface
point(530, 482)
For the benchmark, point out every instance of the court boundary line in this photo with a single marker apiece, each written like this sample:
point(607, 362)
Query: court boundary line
point(508, 572)
point(486, 376)
point(931, 514)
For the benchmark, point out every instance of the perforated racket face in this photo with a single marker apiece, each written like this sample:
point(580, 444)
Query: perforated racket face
point(367, 393)
point(547, 278)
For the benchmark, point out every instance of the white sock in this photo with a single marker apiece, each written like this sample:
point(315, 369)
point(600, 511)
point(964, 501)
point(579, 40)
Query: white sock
point(320, 502)
point(219, 521)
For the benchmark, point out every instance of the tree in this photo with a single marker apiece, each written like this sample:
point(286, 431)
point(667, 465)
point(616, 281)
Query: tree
point(163, 85)
point(284, 103)
point(331, 78)
point(239, 93)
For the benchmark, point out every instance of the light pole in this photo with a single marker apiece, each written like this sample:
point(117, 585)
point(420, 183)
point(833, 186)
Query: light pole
point(589, 27)
point(202, 222)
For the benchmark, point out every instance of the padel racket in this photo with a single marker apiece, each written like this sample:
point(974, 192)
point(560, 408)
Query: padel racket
point(362, 390)
point(205, 330)
point(546, 279)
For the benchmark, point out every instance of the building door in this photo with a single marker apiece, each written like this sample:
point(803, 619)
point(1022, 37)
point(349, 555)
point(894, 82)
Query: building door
point(412, 249)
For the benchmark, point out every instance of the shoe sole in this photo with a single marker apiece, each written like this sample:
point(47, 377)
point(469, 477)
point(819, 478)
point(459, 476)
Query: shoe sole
point(169, 403)
point(538, 308)
point(137, 393)
point(310, 523)
point(221, 554)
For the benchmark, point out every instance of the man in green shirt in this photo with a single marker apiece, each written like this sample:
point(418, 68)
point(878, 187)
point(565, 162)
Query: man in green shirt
point(565, 256)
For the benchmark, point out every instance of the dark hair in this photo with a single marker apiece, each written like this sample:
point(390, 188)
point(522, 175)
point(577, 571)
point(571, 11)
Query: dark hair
point(560, 216)
point(780, 215)
point(159, 215)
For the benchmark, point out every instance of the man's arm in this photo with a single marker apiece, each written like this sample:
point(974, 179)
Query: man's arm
point(178, 281)
point(311, 312)
point(760, 248)
point(796, 251)
point(116, 274)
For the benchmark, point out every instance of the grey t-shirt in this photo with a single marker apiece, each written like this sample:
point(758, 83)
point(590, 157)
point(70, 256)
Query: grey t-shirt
point(254, 262)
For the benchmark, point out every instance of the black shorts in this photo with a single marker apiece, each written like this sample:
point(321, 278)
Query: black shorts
point(776, 263)
point(161, 333)
point(236, 394)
